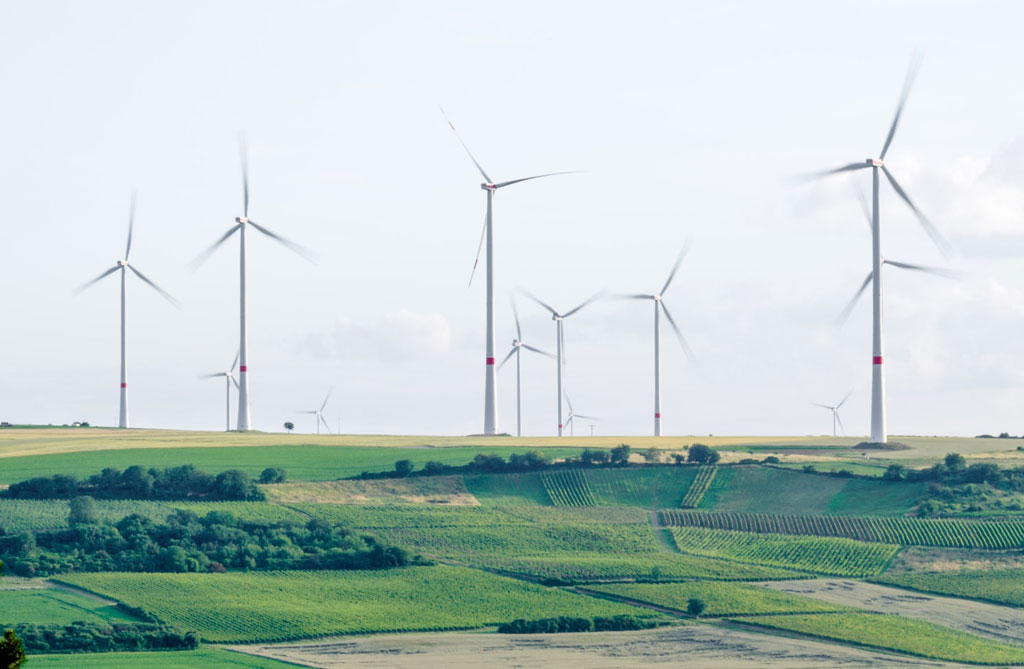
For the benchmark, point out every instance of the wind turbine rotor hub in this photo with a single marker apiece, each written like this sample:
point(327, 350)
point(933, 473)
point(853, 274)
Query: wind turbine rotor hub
point(875, 162)
point(122, 263)
point(656, 298)
point(488, 187)
point(241, 219)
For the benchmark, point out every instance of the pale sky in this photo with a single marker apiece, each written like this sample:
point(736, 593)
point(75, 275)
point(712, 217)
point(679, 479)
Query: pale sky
point(689, 120)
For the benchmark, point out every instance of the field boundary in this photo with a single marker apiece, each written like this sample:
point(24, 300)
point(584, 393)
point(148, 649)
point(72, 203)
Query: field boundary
point(699, 486)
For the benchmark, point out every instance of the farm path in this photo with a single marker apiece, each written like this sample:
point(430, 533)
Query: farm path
point(659, 532)
point(689, 646)
point(992, 621)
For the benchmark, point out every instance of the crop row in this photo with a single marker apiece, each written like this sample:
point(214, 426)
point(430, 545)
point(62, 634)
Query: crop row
point(568, 488)
point(949, 533)
point(700, 485)
point(823, 555)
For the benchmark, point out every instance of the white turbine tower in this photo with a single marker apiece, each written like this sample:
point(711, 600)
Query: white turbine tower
point(560, 334)
point(835, 412)
point(490, 385)
point(319, 414)
point(517, 346)
point(659, 306)
point(241, 223)
point(878, 422)
point(123, 265)
point(573, 414)
point(229, 378)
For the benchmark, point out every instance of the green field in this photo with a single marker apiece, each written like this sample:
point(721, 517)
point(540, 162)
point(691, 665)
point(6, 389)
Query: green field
point(722, 599)
point(214, 658)
point(270, 606)
point(948, 533)
point(38, 602)
point(906, 635)
point(1004, 586)
point(835, 557)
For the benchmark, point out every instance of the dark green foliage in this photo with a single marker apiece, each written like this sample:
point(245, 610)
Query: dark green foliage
point(289, 426)
point(702, 455)
point(187, 543)
point(894, 473)
point(955, 461)
point(481, 463)
point(82, 510)
point(771, 460)
point(593, 456)
point(90, 637)
point(12, 651)
point(568, 624)
point(273, 475)
point(403, 468)
point(695, 606)
point(620, 455)
point(136, 482)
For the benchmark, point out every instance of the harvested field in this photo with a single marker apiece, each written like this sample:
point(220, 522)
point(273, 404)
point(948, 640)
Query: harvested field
point(441, 490)
point(703, 646)
point(1000, 623)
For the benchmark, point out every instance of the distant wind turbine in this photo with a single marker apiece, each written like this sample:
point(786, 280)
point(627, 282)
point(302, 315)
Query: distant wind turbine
point(558, 318)
point(517, 346)
point(490, 385)
point(319, 414)
point(123, 265)
point(573, 414)
point(241, 223)
point(835, 413)
point(878, 419)
point(659, 306)
point(229, 378)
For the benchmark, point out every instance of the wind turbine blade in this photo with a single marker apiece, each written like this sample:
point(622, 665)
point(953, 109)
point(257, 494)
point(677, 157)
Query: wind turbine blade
point(845, 313)
point(536, 350)
point(569, 402)
point(539, 176)
point(675, 268)
point(679, 334)
point(212, 376)
point(306, 411)
point(592, 298)
point(201, 258)
point(243, 152)
point(836, 170)
point(865, 207)
point(326, 398)
point(235, 381)
point(510, 354)
point(108, 272)
point(538, 301)
point(468, 152)
point(297, 248)
point(915, 63)
point(515, 314)
point(823, 406)
point(235, 363)
point(844, 400)
point(937, 238)
point(167, 296)
point(561, 340)
point(633, 296)
point(938, 271)
point(579, 415)
point(479, 248)
point(842, 428)
point(131, 226)
point(326, 426)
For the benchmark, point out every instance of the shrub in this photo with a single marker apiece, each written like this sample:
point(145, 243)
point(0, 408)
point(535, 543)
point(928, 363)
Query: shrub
point(12, 651)
point(695, 606)
point(82, 510)
point(703, 455)
point(620, 455)
point(273, 475)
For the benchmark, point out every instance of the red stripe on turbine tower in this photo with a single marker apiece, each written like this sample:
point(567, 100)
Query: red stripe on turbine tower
point(243, 368)
point(877, 360)
point(490, 361)
point(657, 415)
point(124, 385)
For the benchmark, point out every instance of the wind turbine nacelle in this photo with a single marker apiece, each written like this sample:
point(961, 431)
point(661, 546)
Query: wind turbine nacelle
point(488, 187)
point(875, 162)
point(241, 219)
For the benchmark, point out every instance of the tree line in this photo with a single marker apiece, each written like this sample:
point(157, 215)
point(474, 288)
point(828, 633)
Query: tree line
point(563, 624)
point(93, 637)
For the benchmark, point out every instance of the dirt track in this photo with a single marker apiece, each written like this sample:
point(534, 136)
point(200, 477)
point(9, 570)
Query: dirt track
point(703, 646)
point(1001, 623)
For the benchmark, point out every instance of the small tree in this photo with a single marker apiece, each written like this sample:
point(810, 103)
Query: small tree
point(955, 461)
point(679, 458)
point(289, 426)
point(695, 606)
point(620, 455)
point(894, 473)
point(652, 455)
point(403, 467)
point(12, 652)
point(273, 475)
point(703, 455)
point(83, 510)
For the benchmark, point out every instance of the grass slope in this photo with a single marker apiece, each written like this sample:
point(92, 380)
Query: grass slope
point(722, 599)
point(208, 658)
point(267, 606)
point(48, 604)
point(1004, 586)
point(890, 632)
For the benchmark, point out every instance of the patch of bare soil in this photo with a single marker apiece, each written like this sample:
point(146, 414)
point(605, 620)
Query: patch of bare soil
point(954, 559)
point(1001, 623)
point(703, 646)
point(438, 490)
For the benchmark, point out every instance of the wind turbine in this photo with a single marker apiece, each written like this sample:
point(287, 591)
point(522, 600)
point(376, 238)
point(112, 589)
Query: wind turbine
point(659, 306)
point(490, 386)
point(123, 265)
point(835, 412)
point(878, 422)
point(319, 414)
point(558, 318)
point(573, 414)
point(517, 346)
point(241, 223)
point(229, 378)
